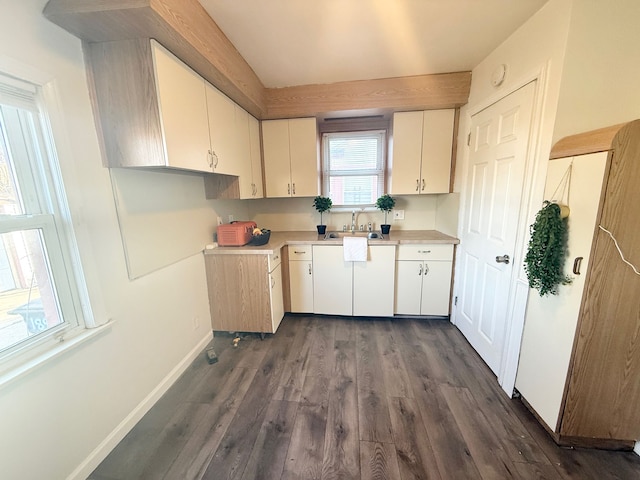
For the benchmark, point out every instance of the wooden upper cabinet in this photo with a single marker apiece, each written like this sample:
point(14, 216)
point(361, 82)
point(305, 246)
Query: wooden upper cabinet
point(150, 108)
point(290, 157)
point(422, 152)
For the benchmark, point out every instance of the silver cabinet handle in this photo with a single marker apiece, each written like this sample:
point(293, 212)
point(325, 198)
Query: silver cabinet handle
point(299, 253)
point(273, 282)
point(423, 184)
point(294, 188)
point(309, 269)
point(503, 259)
point(214, 155)
point(210, 159)
point(426, 269)
point(420, 270)
point(417, 184)
point(424, 251)
point(288, 189)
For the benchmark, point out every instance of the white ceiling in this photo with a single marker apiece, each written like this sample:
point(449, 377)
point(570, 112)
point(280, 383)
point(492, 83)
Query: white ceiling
point(299, 42)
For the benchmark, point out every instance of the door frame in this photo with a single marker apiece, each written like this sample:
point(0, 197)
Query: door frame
point(535, 171)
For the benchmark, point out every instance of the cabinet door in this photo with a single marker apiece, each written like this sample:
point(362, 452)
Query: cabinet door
point(183, 111)
point(437, 146)
point(303, 145)
point(277, 304)
point(436, 288)
point(373, 282)
point(332, 281)
point(301, 283)
point(408, 287)
point(256, 157)
point(277, 169)
point(243, 149)
point(222, 131)
point(407, 153)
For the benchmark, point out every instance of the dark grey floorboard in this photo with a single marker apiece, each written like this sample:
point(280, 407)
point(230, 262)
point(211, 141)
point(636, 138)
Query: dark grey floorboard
point(341, 398)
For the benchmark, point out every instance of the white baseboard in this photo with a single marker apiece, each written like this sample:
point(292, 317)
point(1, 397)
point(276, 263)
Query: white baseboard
point(101, 451)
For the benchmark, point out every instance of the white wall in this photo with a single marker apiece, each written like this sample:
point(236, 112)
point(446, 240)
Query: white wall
point(298, 214)
point(53, 418)
point(601, 78)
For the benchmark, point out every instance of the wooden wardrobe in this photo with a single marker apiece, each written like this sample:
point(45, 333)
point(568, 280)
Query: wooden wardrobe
point(598, 396)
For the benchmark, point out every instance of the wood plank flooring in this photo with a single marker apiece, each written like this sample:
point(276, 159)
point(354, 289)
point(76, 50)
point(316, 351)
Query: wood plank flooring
point(340, 398)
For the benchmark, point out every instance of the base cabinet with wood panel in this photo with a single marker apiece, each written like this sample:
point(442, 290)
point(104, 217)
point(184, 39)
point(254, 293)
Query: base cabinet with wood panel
point(579, 368)
point(423, 279)
point(422, 152)
point(301, 278)
point(245, 291)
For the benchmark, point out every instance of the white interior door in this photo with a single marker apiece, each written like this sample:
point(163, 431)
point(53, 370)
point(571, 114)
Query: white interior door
point(495, 177)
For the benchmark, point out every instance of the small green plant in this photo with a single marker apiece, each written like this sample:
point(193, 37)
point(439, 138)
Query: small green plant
point(386, 203)
point(322, 204)
point(544, 261)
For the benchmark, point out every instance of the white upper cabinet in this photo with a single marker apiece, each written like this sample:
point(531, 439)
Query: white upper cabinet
point(256, 158)
point(183, 112)
point(421, 154)
point(290, 157)
point(223, 132)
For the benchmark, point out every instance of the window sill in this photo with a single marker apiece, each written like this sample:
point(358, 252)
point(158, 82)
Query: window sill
point(38, 361)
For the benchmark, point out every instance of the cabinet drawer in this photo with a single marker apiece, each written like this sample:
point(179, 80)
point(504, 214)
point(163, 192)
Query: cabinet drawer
point(300, 252)
point(274, 259)
point(425, 252)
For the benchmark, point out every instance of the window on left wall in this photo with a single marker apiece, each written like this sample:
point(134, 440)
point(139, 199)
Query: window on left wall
point(38, 303)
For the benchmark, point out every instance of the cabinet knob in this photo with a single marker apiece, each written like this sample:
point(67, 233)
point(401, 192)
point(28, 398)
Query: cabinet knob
point(420, 270)
point(417, 184)
point(423, 184)
point(426, 269)
point(288, 189)
point(294, 188)
point(309, 269)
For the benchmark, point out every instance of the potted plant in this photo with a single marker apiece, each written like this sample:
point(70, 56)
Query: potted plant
point(322, 204)
point(385, 203)
point(546, 253)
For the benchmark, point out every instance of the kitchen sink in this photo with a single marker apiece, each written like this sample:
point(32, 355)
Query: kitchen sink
point(369, 235)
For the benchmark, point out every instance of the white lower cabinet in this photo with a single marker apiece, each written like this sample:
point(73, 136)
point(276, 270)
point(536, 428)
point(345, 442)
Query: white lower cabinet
point(353, 288)
point(423, 279)
point(301, 278)
point(373, 283)
point(332, 281)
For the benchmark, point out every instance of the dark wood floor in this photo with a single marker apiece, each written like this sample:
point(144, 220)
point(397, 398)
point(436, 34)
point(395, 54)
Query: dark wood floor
point(336, 398)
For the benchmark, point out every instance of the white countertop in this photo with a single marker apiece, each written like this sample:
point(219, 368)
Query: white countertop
point(280, 239)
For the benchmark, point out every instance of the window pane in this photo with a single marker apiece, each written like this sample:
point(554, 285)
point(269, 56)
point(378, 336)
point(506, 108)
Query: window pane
point(28, 304)
point(353, 167)
point(10, 203)
point(351, 190)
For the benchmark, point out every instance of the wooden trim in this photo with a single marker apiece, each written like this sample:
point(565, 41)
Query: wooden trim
point(599, 140)
point(420, 92)
point(218, 186)
point(185, 28)
point(182, 26)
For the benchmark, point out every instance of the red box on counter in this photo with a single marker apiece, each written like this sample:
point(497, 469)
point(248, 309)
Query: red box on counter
point(235, 234)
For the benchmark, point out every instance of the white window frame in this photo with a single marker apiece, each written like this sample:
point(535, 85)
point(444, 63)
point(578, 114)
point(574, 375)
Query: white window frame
point(28, 132)
point(380, 171)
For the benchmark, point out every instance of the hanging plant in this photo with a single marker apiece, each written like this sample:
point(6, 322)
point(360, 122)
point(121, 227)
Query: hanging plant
point(544, 262)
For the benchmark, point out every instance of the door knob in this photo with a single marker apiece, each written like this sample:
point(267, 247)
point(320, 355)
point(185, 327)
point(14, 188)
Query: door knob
point(503, 259)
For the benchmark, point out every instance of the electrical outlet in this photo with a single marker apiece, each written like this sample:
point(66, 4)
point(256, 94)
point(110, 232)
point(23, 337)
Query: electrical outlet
point(230, 218)
point(219, 220)
point(398, 214)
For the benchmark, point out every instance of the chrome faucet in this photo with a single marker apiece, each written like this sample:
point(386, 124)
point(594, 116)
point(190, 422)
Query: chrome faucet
point(353, 221)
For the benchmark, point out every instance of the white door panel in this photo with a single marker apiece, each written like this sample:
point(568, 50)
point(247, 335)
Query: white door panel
point(497, 160)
